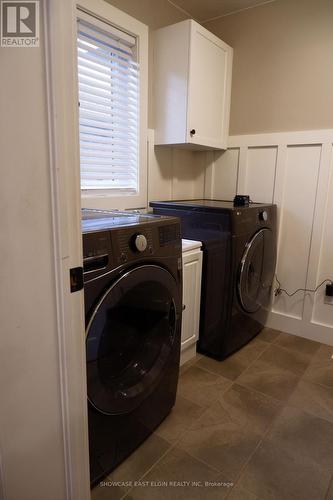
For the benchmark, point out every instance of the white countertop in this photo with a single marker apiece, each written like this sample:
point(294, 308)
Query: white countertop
point(190, 245)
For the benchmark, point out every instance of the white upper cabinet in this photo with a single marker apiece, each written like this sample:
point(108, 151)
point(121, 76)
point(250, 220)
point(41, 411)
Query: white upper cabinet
point(192, 86)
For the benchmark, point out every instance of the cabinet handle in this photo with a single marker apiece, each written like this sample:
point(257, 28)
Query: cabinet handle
point(192, 132)
point(183, 307)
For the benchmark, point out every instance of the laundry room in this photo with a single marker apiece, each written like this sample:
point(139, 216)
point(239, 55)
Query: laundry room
point(166, 263)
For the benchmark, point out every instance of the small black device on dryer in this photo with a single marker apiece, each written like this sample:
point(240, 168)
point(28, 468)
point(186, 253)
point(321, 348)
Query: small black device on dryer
point(239, 257)
point(241, 200)
point(132, 290)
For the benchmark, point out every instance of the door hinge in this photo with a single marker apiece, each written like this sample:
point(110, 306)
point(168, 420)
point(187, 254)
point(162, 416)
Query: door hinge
point(76, 278)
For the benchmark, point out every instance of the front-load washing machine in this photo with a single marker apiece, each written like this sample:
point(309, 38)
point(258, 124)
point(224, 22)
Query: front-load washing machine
point(239, 257)
point(132, 289)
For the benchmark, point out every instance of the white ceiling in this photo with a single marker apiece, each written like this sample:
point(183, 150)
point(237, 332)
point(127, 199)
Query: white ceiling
point(204, 10)
point(158, 13)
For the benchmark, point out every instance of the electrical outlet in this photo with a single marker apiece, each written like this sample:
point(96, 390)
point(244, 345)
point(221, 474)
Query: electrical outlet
point(328, 298)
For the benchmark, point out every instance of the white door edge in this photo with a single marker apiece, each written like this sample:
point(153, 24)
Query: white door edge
point(60, 55)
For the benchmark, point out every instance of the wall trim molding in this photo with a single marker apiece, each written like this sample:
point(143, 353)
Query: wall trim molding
point(318, 333)
point(280, 138)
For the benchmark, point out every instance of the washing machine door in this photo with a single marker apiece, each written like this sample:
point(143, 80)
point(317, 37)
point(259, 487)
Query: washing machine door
point(130, 337)
point(256, 271)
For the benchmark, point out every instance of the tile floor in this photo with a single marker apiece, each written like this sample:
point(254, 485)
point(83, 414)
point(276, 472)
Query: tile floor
point(257, 426)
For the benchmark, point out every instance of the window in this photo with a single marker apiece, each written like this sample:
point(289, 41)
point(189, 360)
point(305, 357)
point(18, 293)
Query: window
point(111, 129)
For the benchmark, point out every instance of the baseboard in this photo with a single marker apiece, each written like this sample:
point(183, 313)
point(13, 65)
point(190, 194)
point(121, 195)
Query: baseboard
point(311, 331)
point(188, 353)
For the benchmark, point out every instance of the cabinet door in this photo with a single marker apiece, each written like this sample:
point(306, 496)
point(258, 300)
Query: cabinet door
point(192, 265)
point(209, 89)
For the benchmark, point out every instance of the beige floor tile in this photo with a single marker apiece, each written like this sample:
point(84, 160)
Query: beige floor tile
point(320, 369)
point(296, 343)
point(329, 494)
point(141, 460)
point(230, 429)
point(220, 441)
point(289, 360)
point(235, 364)
point(182, 416)
point(200, 386)
point(313, 398)
point(108, 491)
point(265, 377)
point(168, 480)
point(268, 334)
point(239, 493)
point(275, 474)
point(189, 363)
point(304, 435)
point(243, 406)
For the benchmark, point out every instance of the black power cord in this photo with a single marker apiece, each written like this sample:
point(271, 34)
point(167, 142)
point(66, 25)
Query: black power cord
point(280, 290)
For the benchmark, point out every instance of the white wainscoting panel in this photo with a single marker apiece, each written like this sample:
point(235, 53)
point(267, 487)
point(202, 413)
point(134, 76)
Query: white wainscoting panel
point(297, 207)
point(323, 313)
point(260, 174)
point(295, 171)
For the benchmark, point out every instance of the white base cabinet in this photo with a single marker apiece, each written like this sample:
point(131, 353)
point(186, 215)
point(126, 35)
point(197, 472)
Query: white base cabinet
point(192, 86)
point(192, 268)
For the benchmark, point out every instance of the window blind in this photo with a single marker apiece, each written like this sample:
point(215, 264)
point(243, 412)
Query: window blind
point(108, 75)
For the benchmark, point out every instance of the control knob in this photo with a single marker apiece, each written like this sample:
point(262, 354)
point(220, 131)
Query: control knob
point(263, 216)
point(140, 242)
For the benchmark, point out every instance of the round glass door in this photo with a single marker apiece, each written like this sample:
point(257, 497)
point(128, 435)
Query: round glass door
point(130, 337)
point(257, 271)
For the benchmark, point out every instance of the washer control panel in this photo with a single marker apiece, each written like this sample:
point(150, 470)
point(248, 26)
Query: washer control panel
point(130, 244)
point(118, 246)
point(168, 234)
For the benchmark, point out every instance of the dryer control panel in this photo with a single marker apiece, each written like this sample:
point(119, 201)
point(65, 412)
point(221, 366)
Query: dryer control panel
point(253, 218)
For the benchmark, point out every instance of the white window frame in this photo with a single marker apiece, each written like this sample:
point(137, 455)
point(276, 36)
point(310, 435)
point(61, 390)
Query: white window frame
point(107, 199)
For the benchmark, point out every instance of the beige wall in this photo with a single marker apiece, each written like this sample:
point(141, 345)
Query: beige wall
point(283, 66)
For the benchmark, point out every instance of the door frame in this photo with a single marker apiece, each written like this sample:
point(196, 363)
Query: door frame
point(59, 26)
